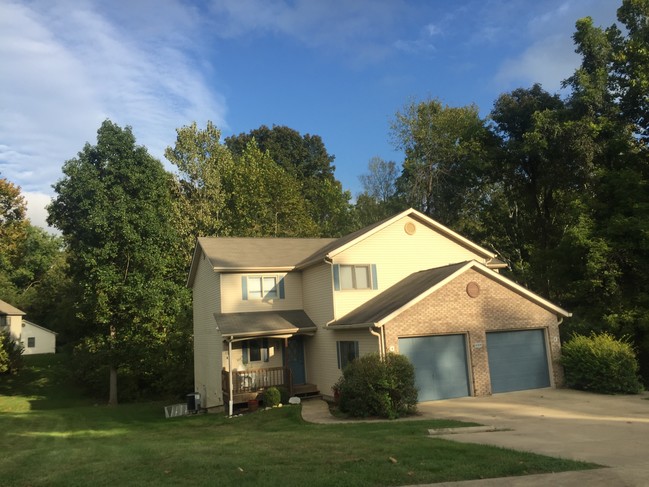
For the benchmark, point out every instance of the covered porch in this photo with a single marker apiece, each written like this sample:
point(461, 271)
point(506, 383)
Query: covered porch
point(264, 349)
point(249, 384)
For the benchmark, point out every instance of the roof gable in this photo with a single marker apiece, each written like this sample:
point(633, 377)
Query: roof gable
point(7, 309)
point(340, 245)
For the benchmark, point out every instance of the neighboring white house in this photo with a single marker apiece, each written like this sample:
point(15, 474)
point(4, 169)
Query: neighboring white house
point(34, 338)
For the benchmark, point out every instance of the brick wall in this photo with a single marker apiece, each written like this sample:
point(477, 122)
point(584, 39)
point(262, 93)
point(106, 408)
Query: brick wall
point(450, 310)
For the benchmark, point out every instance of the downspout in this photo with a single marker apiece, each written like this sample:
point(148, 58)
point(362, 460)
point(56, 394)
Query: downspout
point(378, 335)
point(230, 386)
point(327, 260)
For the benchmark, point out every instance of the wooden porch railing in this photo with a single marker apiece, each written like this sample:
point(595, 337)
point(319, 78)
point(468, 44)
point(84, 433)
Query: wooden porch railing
point(247, 384)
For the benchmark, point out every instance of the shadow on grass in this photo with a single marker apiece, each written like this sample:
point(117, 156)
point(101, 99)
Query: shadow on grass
point(45, 382)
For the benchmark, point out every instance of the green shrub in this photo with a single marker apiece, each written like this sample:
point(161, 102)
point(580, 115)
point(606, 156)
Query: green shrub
point(272, 397)
point(374, 387)
point(11, 354)
point(601, 363)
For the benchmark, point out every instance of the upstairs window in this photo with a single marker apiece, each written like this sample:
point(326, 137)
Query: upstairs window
point(355, 277)
point(31, 342)
point(262, 287)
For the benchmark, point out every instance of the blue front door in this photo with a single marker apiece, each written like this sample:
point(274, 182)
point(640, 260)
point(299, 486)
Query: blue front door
point(295, 351)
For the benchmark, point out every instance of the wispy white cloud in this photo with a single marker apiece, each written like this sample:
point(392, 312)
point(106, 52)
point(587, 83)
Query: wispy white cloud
point(68, 66)
point(359, 28)
point(549, 55)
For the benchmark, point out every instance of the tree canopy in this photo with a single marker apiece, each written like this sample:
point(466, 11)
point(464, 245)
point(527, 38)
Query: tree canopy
point(113, 207)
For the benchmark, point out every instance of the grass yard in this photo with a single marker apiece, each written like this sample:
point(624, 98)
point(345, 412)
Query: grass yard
point(52, 436)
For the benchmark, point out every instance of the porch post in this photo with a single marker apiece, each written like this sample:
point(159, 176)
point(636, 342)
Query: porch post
point(230, 386)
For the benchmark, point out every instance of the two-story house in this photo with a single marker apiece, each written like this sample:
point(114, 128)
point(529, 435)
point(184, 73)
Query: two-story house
point(294, 312)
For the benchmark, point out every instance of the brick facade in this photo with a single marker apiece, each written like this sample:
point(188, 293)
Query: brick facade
point(451, 310)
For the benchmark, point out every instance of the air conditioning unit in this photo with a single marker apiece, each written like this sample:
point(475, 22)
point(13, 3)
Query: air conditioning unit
point(193, 403)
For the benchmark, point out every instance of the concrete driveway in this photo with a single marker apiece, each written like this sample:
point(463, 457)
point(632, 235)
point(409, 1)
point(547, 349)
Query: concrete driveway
point(608, 430)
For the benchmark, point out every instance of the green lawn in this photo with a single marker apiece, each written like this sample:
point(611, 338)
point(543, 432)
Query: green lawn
point(52, 436)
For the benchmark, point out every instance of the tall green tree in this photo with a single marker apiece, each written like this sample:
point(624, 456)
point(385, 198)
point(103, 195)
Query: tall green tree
point(13, 229)
point(263, 199)
point(379, 199)
point(609, 92)
point(112, 207)
point(544, 163)
point(305, 157)
point(199, 200)
point(445, 152)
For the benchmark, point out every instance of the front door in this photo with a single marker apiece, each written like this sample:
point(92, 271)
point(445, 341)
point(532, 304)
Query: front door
point(295, 353)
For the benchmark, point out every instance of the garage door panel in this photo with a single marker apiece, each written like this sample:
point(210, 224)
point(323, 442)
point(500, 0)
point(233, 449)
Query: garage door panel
point(440, 365)
point(517, 360)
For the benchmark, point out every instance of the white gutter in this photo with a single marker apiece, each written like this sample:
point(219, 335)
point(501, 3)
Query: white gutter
point(230, 386)
point(378, 335)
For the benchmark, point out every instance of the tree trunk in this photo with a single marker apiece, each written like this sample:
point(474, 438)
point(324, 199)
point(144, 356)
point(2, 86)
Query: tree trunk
point(112, 395)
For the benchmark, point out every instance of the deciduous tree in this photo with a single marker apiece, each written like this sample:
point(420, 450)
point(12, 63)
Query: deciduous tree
point(112, 207)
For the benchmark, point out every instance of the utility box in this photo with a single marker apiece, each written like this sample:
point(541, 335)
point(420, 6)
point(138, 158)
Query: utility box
point(193, 402)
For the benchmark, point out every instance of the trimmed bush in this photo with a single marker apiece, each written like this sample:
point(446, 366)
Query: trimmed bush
point(601, 363)
point(374, 387)
point(272, 397)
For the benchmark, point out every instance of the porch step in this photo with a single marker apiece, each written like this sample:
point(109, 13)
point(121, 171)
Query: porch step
point(305, 390)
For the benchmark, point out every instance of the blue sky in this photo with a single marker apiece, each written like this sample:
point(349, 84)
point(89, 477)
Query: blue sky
point(338, 68)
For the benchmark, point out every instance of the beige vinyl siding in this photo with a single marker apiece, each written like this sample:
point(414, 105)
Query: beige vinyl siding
point(321, 356)
point(318, 289)
point(232, 299)
point(14, 326)
point(207, 340)
point(397, 255)
point(275, 358)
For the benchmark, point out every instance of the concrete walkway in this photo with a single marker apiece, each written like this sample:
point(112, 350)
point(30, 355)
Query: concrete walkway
point(609, 430)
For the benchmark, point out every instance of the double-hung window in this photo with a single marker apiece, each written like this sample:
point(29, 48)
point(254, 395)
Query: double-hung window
point(355, 277)
point(262, 287)
point(361, 276)
point(31, 342)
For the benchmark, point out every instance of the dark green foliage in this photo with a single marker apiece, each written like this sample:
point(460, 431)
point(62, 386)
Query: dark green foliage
point(113, 207)
point(272, 397)
point(601, 363)
point(11, 354)
point(374, 387)
point(306, 160)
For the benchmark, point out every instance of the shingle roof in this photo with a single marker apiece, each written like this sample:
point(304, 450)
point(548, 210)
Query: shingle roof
point(266, 323)
point(397, 296)
point(7, 309)
point(233, 252)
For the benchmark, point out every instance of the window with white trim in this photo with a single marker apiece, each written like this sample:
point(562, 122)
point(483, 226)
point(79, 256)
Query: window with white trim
point(358, 276)
point(262, 287)
point(347, 351)
point(31, 342)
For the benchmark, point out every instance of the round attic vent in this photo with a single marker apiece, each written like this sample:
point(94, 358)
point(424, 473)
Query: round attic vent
point(473, 289)
point(410, 228)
